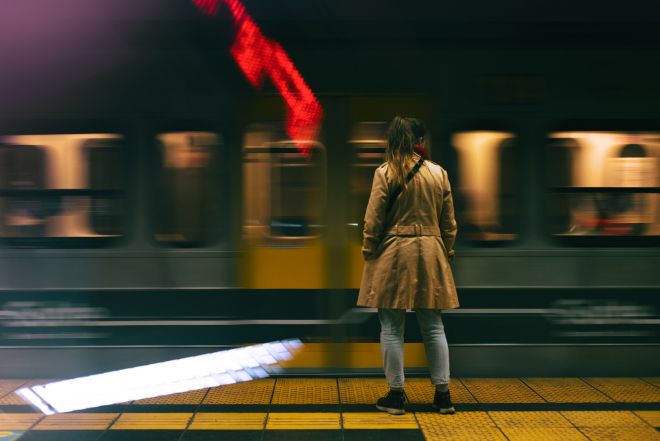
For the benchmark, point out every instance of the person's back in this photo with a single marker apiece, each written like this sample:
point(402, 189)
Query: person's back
point(413, 242)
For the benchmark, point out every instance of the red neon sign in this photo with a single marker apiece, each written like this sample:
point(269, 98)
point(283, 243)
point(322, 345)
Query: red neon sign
point(258, 57)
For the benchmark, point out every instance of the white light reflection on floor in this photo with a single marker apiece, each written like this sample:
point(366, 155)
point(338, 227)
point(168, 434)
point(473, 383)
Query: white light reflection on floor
point(154, 380)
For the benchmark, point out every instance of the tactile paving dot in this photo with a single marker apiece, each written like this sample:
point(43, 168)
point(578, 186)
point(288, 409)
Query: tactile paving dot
point(361, 390)
point(192, 397)
point(620, 433)
point(565, 390)
point(530, 419)
point(378, 420)
point(18, 421)
point(307, 421)
point(420, 390)
point(626, 389)
point(462, 426)
point(652, 417)
point(543, 434)
point(77, 421)
point(298, 391)
point(152, 421)
point(228, 421)
point(250, 392)
point(501, 390)
point(603, 418)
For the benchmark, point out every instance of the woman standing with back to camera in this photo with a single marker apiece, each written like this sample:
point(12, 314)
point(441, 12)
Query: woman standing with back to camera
point(409, 234)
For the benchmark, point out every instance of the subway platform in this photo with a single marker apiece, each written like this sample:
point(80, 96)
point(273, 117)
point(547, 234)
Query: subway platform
point(342, 409)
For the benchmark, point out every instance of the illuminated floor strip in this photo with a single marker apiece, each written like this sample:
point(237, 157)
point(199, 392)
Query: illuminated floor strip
point(157, 380)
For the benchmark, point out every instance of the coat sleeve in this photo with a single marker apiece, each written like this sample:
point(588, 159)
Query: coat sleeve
point(374, 218)
point(448, 228)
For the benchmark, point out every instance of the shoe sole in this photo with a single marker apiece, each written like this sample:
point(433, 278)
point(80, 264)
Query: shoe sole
point(391, 410)
point(445, 410)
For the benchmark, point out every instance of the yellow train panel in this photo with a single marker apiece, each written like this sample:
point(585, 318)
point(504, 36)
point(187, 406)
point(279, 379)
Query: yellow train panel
point(275, 268)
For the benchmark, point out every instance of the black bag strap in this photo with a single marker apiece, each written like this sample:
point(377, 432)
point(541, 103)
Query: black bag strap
point(397, 191)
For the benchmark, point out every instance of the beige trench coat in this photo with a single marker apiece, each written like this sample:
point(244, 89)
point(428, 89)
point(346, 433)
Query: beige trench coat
point(407, 251)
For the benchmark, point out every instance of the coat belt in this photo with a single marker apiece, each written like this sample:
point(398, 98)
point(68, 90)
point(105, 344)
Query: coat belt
point(413, 230)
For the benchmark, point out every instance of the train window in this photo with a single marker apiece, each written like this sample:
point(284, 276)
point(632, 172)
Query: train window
point(185, 188)
point(59, 189)
point(604, 185)
point(284, 186)
point(369, 144)
point(486, 190)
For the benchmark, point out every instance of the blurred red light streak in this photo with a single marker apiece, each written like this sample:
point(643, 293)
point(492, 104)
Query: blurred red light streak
point(258, 57)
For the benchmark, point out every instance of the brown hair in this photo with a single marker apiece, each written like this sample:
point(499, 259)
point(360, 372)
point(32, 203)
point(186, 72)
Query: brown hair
point(399, 153)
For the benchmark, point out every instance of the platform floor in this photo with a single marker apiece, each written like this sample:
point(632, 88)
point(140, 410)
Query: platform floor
point(341, 409)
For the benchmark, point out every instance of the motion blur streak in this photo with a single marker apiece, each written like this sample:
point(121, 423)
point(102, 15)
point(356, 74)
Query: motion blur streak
point(257, 57)
point(153, 380)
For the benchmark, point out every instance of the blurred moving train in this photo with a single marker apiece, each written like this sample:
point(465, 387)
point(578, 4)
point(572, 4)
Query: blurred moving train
point(157, 208)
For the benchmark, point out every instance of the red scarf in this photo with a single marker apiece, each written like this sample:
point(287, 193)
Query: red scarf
point(421, 151)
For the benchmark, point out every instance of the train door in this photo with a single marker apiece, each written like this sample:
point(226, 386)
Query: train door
point(368, 118)
point(283, 209)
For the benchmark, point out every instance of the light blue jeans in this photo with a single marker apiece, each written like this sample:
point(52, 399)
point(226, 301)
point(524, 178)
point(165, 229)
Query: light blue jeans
point(392, 324)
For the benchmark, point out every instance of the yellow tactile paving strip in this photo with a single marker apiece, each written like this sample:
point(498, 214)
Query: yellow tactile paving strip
point(544, 434)
point(418, 390)
point(228, 421)
point(501, 390)
point(421, 390)
point(361, 390)
point(77, 421)
point(448, 433)
point(463, 426)
point(626, 389)
point(565, 390)
point(251, 392)
point(192, 397)
point(530, 419)
point(306, 421)
point(460, 419)
point(18, 421)
point(378, 420)
point(317, 391)
point(535, 426)
point(152, 421)
point(467, 425)
point(652, 417)
point(621, 434)
point(603, 418)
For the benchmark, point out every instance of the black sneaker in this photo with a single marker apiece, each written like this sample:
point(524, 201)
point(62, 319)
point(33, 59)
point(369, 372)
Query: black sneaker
point(442, 402)
point(392, 403)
